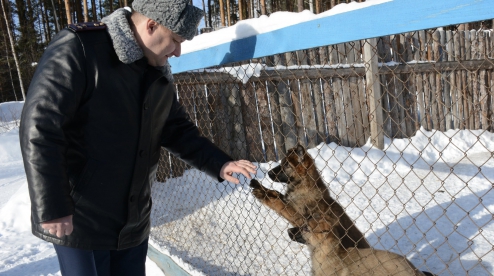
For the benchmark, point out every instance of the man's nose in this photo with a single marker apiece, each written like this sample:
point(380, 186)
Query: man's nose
point(178, 49)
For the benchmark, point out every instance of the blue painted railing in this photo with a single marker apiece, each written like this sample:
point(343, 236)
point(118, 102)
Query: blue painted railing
point(397, 16)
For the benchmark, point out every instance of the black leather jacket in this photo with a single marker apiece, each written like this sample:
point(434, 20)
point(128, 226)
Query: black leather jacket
point(91, 131)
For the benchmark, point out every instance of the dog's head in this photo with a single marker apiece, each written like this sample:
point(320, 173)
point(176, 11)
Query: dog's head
point(296, 164)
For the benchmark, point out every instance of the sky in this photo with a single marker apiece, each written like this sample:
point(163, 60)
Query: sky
point(432, 217)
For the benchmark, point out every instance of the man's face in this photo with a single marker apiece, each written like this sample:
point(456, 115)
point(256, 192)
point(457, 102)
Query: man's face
point(160, 43)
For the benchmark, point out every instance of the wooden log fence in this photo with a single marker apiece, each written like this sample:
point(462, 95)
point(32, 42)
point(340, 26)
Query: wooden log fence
point(434, 79)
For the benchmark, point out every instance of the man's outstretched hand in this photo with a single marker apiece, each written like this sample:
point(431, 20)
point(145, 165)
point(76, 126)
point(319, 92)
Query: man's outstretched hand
point(59, 227)
point(240, 166)
point(63, 226)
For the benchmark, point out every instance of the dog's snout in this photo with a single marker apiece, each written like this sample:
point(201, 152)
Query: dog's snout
point(272, 175)
point(295, 234)
point(278, 175)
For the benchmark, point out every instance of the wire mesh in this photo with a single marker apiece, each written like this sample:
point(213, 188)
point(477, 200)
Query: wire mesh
point(422, 196)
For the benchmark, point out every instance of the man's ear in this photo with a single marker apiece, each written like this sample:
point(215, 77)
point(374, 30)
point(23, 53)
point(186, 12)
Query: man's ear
point(151, 26)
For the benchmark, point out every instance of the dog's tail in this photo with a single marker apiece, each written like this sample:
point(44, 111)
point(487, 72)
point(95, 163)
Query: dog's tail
point(428, 273)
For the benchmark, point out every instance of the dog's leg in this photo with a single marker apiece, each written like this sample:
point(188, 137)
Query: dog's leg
point(276, 201)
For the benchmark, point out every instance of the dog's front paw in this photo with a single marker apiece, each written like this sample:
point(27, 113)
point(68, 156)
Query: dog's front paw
point(258, 190)
point(255, 184)
point(262, 193)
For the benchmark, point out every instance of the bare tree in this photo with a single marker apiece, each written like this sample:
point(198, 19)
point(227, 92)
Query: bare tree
point(8, 65)
point(67, 10)
point(93, 8)
point(46, 23)
point(61, 13)
point(78, 10)
point(263, 7)
point(240, 10)
point(100, 9)
point(13, 50)
point(318, 6)
point(57, 26)
point(222, 14)
point(210, 14)
point(228, 13)
point(86, 15)
point(300, 4)
point(204, 10)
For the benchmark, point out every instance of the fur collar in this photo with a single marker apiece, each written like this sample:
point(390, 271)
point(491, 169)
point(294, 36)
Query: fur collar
point(124, 42)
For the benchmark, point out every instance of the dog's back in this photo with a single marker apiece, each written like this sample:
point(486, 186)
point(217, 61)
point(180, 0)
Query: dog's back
point(368, 261)
point(328, 257)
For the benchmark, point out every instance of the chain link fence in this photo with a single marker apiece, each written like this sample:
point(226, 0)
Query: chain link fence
point(425, 192)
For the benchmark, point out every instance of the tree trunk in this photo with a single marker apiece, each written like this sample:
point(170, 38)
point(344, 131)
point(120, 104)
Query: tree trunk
point(8, 64)
point(222, 14)
point(93, 8)
point(240, 10)
point(13, 51)
point(228, 13)
point(44, 21)
point(86, 15)
point(67, 11)
point(252, 9)
point(263, 7)
point(47, 21)
point(204, 10)
point(22, 17)
point(300, 5)
point(78, 10)
point(61, 12)
point(100, 10)
point(210, 14)
point(57, 26)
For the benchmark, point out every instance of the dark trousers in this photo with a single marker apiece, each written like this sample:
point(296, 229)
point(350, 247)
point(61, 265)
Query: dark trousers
point(79, 262)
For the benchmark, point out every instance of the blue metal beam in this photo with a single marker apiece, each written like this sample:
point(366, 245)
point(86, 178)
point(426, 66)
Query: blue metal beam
point(394, 17)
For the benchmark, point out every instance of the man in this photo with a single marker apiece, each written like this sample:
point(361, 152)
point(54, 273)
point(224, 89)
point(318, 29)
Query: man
point(99, 107)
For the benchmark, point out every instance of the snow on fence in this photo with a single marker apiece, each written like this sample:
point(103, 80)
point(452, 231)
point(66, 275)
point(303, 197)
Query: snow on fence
point(424, 191)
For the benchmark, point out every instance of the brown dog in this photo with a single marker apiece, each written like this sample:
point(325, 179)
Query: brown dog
point(307, 196)
point(337, 246)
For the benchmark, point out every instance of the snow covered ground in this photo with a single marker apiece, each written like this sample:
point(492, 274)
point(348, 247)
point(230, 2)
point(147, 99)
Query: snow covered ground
point(430, 198)
point(22, 254)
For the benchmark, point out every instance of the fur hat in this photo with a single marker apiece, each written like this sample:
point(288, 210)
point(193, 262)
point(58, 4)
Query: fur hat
point(177, 15)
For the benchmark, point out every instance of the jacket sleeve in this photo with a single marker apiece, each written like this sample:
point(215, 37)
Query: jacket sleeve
point(182, 139)
point(52, 100)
